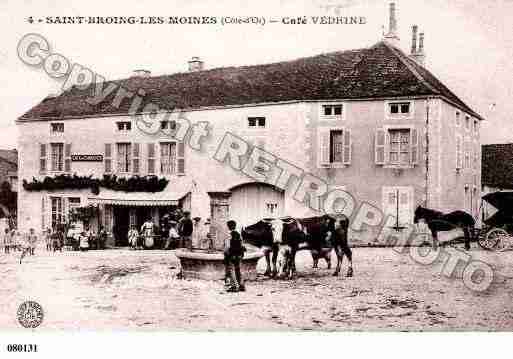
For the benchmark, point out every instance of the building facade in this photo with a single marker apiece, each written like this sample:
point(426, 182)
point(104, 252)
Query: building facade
point(372, 122)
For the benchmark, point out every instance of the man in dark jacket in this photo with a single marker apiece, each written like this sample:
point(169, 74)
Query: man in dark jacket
point(341, 245)
point(186, 228)
point(233, 258)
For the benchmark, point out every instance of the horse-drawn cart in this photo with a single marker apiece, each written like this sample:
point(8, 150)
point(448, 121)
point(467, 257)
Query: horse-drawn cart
point(497, 230)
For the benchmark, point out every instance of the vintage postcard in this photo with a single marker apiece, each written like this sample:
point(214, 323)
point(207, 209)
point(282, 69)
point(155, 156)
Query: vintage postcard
point(311, 165)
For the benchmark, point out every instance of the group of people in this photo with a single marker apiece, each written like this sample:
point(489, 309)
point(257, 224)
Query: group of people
point(85, 239)
point(14, 241)
point(176, 230)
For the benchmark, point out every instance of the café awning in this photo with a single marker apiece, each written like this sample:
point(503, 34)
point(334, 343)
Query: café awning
point(170, 196)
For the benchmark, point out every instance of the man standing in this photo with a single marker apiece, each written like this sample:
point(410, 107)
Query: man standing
point(102, 237)
point(234, 256)
point(186, 229)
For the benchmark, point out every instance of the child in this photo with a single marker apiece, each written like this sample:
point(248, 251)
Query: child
point(48, 239)
point(133, 237)
point(173, 236)
point(32, 241)
point(233, 257)
point(6, 240)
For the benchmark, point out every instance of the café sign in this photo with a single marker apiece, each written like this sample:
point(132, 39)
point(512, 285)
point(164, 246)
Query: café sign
point(87, 158)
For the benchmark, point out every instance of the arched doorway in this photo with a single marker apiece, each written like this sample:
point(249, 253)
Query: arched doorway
point(251, 202)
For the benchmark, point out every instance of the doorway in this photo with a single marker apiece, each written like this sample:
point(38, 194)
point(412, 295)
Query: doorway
point(121, 225)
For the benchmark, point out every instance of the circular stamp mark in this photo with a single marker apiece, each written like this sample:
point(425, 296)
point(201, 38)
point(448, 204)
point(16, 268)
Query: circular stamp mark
point(30, 314)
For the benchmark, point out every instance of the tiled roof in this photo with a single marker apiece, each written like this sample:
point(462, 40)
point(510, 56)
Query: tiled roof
point(380, 71)
point(10, 156)
point(497, 166)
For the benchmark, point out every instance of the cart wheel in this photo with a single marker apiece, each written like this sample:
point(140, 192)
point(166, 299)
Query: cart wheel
point(492, 238)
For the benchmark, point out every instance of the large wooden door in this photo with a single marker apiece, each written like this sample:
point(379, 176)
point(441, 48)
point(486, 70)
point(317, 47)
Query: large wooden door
point(252, 202)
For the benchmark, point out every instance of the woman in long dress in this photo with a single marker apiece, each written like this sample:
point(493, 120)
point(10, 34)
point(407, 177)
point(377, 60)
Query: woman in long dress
point(147, 230)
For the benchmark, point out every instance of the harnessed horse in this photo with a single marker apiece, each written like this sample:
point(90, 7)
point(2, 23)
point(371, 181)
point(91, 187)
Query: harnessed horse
point(439, 222)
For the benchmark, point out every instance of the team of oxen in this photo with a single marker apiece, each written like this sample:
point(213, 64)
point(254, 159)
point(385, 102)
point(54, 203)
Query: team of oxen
point(281, 238)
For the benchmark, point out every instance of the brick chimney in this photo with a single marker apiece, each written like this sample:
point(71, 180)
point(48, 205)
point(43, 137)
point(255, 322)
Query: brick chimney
point(391, 36)
point(417, 53)
point(195, 64)
point(141, 73)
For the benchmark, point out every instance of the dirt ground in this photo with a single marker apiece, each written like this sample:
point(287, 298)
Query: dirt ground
point(122, 289)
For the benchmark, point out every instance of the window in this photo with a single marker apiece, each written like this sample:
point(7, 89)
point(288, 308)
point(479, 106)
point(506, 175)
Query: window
point(168, 158)
point(396, 147)
point(399, 149)
point(108, 158)
point(124, 125)
point(475, 158)
point(57, 127)
point(467, 154)
point(42, 158)
point(151, 158)
point(74, 202)
point(398, 204)
point(135, 160)
point(459, 153)
point(124, 157)
point(57, 211)
point(458, 119)
point(256, 122)
point(476, 127)
point(334, 147)
point(57, 151)
point(332, 110)
point(397, 109)
point(467, 123)
point(168, 125)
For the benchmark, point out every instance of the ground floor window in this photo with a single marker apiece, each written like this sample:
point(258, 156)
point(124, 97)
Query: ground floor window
point(398, 203)
point(57, 211)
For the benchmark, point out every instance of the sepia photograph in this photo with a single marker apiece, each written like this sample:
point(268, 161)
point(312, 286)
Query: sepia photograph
point(240, 167)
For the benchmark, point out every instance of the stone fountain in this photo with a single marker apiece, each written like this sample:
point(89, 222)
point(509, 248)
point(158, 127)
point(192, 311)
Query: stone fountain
point(205, 260)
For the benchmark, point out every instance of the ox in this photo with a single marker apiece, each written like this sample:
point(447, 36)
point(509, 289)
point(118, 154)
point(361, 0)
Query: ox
point(284, 237)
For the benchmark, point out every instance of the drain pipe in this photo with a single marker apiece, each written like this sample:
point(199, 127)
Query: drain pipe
point(427, 152)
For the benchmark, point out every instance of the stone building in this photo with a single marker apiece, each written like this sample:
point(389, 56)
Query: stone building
point(373, 122)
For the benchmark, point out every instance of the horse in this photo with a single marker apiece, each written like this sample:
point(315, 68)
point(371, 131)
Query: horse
point(439, 222)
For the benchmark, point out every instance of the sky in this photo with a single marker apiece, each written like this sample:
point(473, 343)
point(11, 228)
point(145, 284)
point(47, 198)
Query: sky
point(469, 44)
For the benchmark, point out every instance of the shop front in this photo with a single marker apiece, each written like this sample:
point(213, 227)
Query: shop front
point(122, 210)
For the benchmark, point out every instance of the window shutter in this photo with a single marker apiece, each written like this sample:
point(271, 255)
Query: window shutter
point(181, 158)
point(42, 159)
point(347, 147)
point(414, 140)
point(67, 157)
point(151, 158)
point(380, 147)
point(108, 158)
point(323, 154)
point(459, 159)
point(135, 160)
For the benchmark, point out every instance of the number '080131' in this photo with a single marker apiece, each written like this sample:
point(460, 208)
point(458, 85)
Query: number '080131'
point(22, 348)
